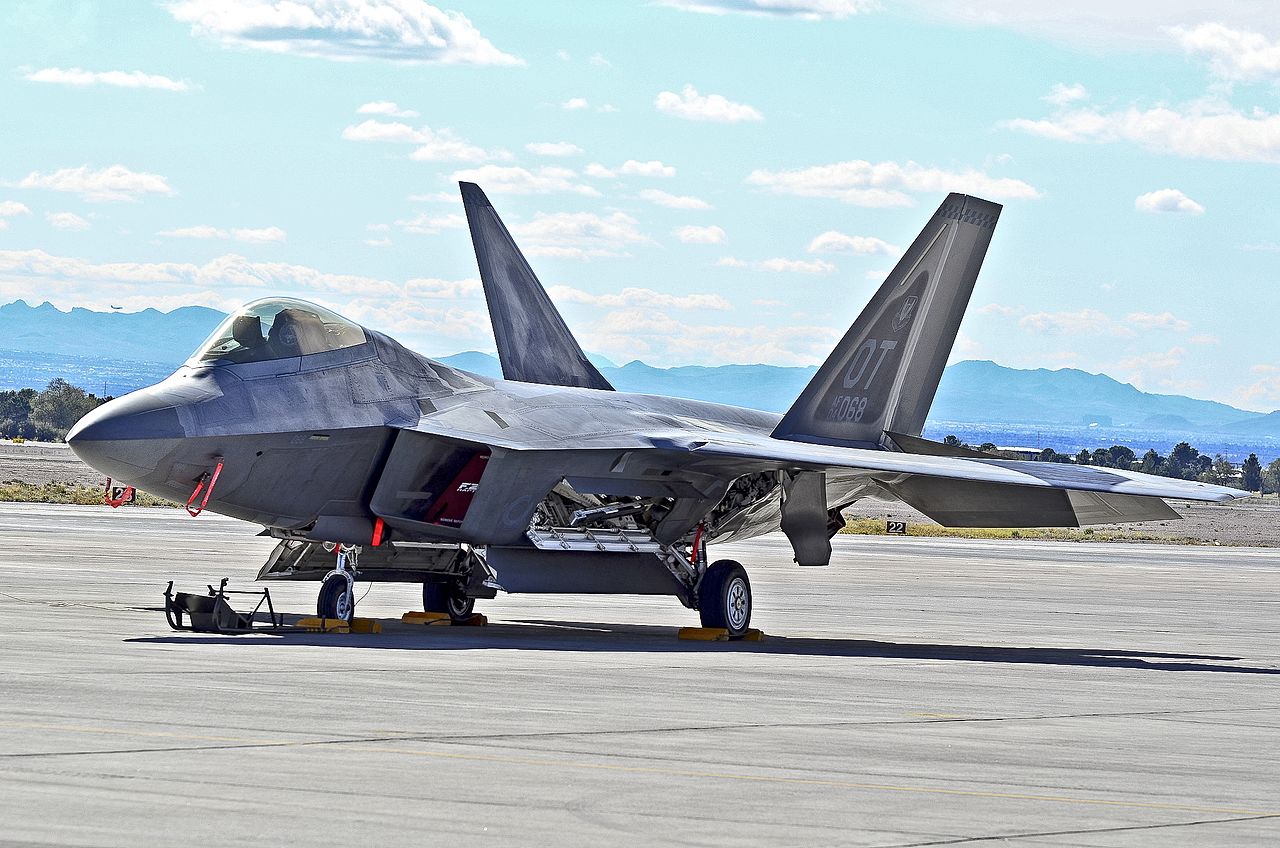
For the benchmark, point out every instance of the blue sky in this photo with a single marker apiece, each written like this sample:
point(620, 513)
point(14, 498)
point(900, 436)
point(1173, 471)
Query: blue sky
point(697, 181)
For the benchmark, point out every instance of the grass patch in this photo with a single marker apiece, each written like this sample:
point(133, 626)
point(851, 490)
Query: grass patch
point(875, 527)
point(16, 491)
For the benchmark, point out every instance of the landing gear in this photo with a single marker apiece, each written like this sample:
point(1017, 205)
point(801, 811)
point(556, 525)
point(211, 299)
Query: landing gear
point(336, 597)
point(448, 597)
point(338, 589)
point(724, 598)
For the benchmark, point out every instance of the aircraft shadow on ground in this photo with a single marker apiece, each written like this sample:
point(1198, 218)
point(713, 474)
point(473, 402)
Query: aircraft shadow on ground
point(554, 635)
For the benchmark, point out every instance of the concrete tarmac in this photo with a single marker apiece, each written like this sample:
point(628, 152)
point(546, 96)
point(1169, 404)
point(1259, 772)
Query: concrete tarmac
point(917, 692)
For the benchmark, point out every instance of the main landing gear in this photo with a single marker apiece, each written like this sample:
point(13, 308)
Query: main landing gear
point(449, 598)
point(724, 598)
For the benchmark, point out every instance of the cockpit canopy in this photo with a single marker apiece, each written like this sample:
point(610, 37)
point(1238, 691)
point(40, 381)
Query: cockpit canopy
point(278, 328)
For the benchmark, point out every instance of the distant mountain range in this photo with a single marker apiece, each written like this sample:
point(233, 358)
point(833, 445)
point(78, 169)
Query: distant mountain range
point(122, 351)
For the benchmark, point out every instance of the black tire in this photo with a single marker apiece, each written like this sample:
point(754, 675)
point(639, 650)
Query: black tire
point(333, 601)
point(724, 598)
point(447, 597)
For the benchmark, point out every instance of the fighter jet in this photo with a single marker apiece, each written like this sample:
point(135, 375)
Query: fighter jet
point(329, 434)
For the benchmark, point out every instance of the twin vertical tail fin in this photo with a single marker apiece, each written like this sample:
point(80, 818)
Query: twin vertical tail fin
point(883, 374)
point(534, 344)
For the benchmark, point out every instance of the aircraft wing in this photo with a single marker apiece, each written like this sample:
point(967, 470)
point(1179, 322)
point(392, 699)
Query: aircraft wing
point(767, 452)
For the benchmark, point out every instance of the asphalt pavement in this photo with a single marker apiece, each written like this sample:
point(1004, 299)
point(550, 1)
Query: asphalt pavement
point(916, 692)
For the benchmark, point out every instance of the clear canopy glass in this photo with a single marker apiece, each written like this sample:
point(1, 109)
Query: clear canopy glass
point(278, 328)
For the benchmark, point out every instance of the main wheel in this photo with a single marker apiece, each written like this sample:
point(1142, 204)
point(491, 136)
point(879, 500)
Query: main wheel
point(447, 597)
point(724, 598)
point(335, 599)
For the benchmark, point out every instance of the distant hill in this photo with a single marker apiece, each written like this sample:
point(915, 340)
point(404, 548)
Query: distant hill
point(146, 336)
point(1258, 425)
point(123, 351)
point(985, 391)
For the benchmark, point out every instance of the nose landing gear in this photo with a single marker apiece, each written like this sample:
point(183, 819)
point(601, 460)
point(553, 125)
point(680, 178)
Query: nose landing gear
point(338, 589)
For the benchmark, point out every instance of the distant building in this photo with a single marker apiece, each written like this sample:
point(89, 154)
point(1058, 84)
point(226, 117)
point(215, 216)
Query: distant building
point(1021, 453)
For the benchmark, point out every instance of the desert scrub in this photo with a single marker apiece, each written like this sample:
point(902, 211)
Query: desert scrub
point(875, 527)
point(15, 491)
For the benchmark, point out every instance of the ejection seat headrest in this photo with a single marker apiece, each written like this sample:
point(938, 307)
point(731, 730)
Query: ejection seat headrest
point(247, 331)
point(296, 332)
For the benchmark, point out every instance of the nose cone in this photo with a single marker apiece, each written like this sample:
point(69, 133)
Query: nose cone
point(127, 437)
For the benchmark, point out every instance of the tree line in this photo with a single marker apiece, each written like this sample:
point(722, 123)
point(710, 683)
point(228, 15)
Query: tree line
point(46, 415)
point(1184, 462)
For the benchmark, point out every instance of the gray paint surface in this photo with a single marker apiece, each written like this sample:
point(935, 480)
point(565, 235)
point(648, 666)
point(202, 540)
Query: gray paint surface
point(917, 692)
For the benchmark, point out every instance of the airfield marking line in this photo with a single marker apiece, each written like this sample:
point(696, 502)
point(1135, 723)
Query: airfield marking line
point(960, 840)
point(816, 781)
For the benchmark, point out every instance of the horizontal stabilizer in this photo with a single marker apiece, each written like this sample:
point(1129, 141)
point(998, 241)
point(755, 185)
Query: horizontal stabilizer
point(534, 343)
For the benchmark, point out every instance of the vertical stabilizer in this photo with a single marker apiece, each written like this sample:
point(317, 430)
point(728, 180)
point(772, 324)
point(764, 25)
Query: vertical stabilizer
point(534, 344)
point(885, 371)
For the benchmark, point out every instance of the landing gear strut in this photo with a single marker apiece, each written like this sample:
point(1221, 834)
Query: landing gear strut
point(724, 598)
point(448, 597)
point(338, 590)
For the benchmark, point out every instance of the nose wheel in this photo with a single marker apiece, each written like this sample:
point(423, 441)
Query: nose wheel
point(448, 598)
point(337, 597)
point(724, 598)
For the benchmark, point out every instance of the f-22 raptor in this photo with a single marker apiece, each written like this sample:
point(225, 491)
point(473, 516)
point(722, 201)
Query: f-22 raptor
point(328, 433)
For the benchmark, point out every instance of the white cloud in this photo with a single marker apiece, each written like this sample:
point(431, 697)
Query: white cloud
point(261, 235)
point(700, 235)
point(997, 309)
point(1204, 130)
point(663, 339)
point(122, 79)
point(639, 297)
point(385, 107)
point(579, 235)
point(812, 10)
point(600, 172)
point(1264, 394)
point(692, 106)
point(574, 104)
point(229, 271)
point(1062, 94)
point(1233, 54)
point(885, 184)
point(444, 289)
point(599, 61)
point(424, 224)
point(607, 107)
point(563, 55)
point(1161, 321)
point(1089, 322)
point(378, 242)
point(780, 265)
point(1167, 200)
point(115, 182)
point(1138, 366)
point(1091, 23)
point(673, 201)
point(500, 179)
point(434, 145)
point(652, 168)
point(9, 208)
point(836, 242)
point(553, 148)
point(1205, 339)
point(66, 221)
point(397, 30)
